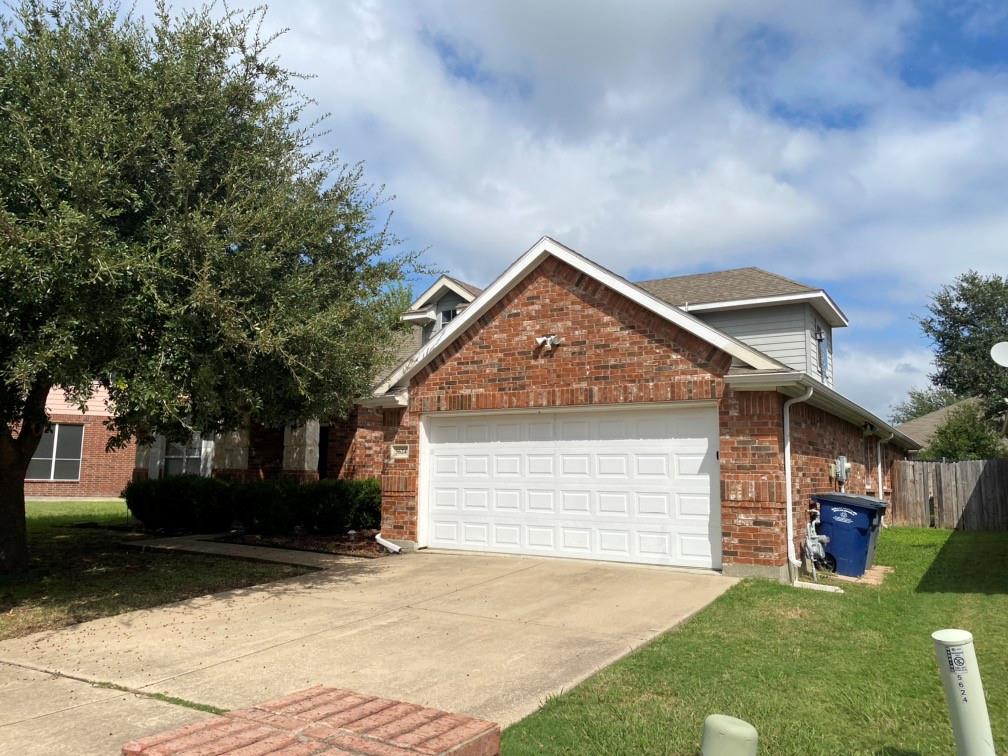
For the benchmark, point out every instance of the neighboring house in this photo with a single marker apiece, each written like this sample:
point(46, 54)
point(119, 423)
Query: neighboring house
point(922, 429)
point(564, 411)
point(71, 459)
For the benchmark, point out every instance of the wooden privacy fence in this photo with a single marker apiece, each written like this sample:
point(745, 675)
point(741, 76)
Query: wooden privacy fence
point(969, 495)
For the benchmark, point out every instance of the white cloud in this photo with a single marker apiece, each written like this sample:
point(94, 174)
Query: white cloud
point(679, 136)
point(877, 379)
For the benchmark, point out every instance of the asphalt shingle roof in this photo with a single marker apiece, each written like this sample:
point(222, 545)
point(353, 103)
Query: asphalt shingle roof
point(722, 286)
point(922, 429)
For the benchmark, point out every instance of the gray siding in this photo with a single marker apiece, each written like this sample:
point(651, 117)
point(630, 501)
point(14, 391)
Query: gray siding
point(784, 332)
point(778, 332)
point(813, 319)
point(449, 301)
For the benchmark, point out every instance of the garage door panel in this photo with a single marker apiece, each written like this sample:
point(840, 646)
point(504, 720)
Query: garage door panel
point(615, 485)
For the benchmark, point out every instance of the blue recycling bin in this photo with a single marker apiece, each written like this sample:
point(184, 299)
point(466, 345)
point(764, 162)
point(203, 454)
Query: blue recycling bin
point(852, 523)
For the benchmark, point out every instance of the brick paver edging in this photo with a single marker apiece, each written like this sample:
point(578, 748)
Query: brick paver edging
point(328, 721)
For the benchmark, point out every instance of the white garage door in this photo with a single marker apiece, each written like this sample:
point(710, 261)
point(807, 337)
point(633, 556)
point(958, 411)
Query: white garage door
point(638, 485)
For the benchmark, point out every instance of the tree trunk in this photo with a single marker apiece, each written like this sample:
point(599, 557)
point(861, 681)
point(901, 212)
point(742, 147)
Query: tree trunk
point(13, 532)
point(15, 454)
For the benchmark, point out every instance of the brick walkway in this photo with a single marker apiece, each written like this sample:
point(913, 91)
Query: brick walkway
point(328, 721)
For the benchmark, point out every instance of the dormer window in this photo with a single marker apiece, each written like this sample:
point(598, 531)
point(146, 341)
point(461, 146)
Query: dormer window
point(447, 316)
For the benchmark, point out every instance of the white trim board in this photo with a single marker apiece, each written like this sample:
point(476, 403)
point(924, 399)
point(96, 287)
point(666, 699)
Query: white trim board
point(535, 255)
point(442, 282)
point(819, 300)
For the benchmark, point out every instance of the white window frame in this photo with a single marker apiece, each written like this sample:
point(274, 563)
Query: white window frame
point(185, 457)
point(54, 459)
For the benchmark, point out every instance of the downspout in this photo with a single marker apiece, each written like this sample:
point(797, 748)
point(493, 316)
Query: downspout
point(881, 487)
point(794, 562)
point(387, 544)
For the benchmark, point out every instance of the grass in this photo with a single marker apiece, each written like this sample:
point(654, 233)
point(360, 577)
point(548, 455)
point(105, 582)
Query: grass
point(814, 672)
point(82, 573)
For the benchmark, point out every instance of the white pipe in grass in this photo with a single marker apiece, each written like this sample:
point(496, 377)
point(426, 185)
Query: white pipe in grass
point(964, 693)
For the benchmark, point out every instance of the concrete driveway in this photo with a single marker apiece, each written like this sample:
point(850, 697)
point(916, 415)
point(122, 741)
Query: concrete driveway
point(490, 636)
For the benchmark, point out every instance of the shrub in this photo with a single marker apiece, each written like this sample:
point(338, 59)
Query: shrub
point(268, 507)
point(336, 506)
point(184, 502)
point(272, 507)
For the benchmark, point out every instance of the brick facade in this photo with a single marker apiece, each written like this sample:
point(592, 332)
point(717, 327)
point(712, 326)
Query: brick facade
point(102, 473)
point(613, 351)
point(357, 444)
point(753, 508)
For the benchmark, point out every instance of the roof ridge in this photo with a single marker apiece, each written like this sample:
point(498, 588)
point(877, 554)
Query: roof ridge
point(709, 273)
point(783, 278)
point(473, 289)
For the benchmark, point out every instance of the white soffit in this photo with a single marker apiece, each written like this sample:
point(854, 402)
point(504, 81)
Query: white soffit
point(538, 252)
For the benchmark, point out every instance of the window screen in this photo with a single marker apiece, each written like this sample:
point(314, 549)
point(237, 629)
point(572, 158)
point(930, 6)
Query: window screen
point(183, 459)
point(58, 456)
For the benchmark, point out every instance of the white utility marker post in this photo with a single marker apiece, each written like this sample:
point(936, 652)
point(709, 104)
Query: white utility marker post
point(728, 736)
point(964, 694)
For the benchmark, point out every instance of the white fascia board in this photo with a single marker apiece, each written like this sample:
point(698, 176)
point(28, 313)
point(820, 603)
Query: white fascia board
point(390, 400)
point(442, 283)
point(422, 316)
point(820, 300)
point(538, 252)
point(794, 383)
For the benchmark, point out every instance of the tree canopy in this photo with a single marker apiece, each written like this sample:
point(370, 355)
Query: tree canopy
point(965, 434)
point(171, 232)
point(965, 319)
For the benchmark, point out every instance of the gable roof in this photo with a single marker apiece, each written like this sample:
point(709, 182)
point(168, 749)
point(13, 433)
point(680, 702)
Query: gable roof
point(922, 429)
point(741, 287)
point(468, 292)
point(538, 252)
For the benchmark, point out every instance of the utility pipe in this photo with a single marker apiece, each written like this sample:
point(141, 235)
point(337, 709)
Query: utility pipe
point(795, 563)
point(387, 544)
point(879, 478)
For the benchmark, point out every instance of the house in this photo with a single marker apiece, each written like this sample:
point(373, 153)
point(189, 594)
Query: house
point(71, 460)
point(565, 411)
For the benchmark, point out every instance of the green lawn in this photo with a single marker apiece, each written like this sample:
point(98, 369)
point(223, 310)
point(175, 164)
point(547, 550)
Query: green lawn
point(79, 574)
point(816, 673)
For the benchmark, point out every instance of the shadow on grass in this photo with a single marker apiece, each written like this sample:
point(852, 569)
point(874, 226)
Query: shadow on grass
point(969, 562)
point(891, 751)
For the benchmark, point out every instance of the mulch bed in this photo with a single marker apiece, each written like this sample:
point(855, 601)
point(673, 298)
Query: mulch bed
point(361, 544)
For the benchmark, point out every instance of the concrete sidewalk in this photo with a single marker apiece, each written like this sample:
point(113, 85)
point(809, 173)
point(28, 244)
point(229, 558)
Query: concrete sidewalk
point(490, 636)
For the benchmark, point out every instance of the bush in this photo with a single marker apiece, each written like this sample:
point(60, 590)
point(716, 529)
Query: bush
point(272, 507)
point(184, 502)
point(336, 506)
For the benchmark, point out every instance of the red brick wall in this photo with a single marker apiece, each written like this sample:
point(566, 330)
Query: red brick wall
point(357, 445)
point(612, 351)
point(102, 473)
point(753, 508)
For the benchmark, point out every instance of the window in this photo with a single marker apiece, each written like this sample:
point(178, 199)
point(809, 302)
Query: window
point(58, 456)
point(183, 459)
point(447, 316)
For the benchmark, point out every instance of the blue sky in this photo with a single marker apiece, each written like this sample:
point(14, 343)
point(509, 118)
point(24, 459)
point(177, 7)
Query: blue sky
point(857, 146)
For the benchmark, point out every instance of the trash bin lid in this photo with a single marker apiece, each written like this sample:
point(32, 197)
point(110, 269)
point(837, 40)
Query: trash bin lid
point(850, 500)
